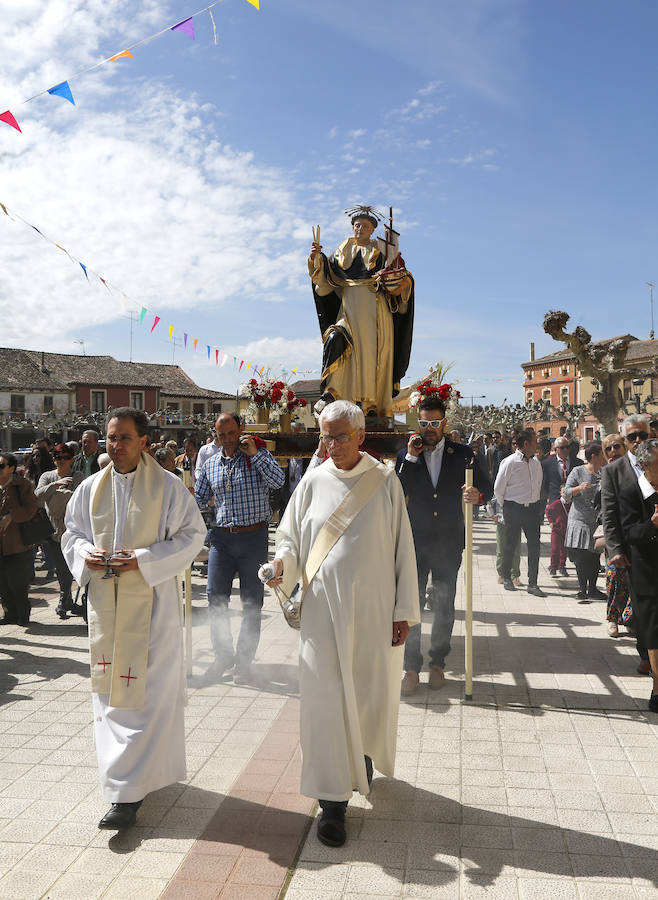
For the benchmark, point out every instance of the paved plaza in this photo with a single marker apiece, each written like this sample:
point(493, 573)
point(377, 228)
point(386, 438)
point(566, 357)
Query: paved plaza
point(545, 785)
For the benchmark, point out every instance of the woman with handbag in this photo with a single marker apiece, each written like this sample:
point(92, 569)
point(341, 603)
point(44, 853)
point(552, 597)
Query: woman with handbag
point(56, 489)
point(17, 505)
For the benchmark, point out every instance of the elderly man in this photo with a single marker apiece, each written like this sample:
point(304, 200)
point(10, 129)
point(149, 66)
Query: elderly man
point(619, 488)
point(517, 490)
point(136, 522)
point(87, 460)
point(638, 515)
point(239, 478)
point(359, 599)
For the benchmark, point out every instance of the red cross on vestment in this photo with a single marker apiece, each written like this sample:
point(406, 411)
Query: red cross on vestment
point(129, 677)
point(103, 662)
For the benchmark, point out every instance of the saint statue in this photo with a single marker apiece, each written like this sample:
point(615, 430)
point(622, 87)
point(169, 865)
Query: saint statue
point(364, 298)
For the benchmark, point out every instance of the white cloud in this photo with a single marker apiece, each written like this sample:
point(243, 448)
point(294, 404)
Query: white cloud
point(276, 351)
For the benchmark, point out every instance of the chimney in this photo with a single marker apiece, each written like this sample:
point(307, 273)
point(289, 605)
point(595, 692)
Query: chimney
point(532, 351)
point(43, 361)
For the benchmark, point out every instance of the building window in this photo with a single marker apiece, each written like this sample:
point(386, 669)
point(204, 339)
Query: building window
point(18, 403)
point(546, 394)
point(199, 409)
point(546, 373)
point(137, 399)
point(98, 401)
point(530, 375)
point(627, 389)
point(217, 407)
point(528, 396)
point(172, 406)
point(564, 370)
point(47, 404)
point(564, 395)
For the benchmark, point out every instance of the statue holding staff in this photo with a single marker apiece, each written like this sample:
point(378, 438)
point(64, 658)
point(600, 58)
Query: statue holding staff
point(364, 298)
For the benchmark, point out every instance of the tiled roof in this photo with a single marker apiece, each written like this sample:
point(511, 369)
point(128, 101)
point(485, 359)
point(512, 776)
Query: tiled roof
point(637, 350)
point(66, 370)
point(306, 387)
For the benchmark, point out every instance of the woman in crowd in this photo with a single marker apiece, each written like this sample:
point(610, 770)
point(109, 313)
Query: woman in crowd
point(580, 489)
point(55, 489)
point(17, 504)
point(39, 462)
point(639, 524)
point(618, 610)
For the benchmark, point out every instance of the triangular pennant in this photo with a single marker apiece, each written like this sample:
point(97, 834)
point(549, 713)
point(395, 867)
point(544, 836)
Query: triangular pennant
point(187, 25)
point(294, 371)
point(225, 360)
point(124, 53)
point(208, 352)
point(156, 319)
point(216, 356)
point(248, 366)
point(105, 283)
point(254, 3)
point(241, 364)
point(36, 229)
point(123, 302)
point(83, 267)
point(142, 313)
point(185, 340)
point(4, 209)
point(8, 117)
point(235, 360)
point(62, 90)
point(196, 341)
point(171, 331)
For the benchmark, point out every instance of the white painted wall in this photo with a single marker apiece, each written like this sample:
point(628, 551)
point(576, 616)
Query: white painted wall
point(34, 401)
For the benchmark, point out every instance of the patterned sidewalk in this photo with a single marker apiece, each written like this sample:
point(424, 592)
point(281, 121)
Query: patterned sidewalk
point(545, 785)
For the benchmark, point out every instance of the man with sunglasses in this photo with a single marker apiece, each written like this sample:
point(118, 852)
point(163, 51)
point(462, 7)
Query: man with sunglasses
point(621, 492)
point(432, 472)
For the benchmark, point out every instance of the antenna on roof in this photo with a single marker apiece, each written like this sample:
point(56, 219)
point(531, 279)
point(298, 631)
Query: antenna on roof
point(81, 341)
point(651, 287)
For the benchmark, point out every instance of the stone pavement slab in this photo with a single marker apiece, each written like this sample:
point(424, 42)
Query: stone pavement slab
point(545, 785)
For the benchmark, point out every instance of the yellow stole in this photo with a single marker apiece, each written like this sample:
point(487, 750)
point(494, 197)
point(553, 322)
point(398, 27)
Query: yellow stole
point(120, 614)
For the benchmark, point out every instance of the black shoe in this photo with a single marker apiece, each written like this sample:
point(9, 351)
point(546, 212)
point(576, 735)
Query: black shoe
point(220, 666)
point(508, 584)
point(536, 591)
point(596, 594)
point(552, 573)
point(564, 573)
point(331, 827)
point(7, 620)
point(23, 622)
point(120, 815)
point(582, 597)
point(61, 611)
point(653, 703)
point(369, 769)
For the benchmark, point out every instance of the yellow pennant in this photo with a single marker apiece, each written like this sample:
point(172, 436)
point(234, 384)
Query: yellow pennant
point(254, 3)
point(171, 331)
point(248, 366)
point(124, 53)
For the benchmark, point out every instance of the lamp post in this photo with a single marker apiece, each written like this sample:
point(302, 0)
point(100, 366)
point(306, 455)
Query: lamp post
point(638, 383)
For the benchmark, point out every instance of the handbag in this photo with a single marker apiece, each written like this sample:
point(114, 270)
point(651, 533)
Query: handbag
point(36, 529)
point(335, 526)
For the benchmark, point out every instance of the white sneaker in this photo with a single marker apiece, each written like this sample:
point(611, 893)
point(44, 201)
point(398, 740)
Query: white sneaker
point(613, 630)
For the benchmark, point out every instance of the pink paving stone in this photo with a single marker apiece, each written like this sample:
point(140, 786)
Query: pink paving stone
point(258, 870)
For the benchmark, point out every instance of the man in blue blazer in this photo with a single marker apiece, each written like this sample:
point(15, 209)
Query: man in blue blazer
point(433, 475)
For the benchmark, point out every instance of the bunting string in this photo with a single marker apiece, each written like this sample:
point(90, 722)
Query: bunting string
point(144, 311)
point(63, 89)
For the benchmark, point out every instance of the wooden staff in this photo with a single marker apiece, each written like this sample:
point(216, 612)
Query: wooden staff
point(468, 589)
point(188, 599)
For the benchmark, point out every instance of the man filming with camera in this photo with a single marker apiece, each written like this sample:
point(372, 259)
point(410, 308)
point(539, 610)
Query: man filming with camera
point(432, 471)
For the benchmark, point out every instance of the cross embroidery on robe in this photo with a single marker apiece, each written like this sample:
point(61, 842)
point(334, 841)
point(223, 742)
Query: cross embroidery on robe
point(103, 662)
point(129, 677)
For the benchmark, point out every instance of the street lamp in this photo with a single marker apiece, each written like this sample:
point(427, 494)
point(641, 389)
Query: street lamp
point(638, 383)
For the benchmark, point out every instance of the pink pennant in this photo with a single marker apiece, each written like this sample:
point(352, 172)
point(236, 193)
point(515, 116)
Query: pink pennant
point(216, 356)
point(155, 322)
point(8, 117)
point(187, 25)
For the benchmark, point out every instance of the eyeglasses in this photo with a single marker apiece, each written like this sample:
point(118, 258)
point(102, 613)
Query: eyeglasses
point(637, 436)
point(434, 423)
point(337, 438)
point(612, 447)
point(3, 466)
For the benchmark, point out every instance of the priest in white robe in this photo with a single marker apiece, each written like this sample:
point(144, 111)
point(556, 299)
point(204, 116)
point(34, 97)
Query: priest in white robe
point(356, 613)
point(148, 523)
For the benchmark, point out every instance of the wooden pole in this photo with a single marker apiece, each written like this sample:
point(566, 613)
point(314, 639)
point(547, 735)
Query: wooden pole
point(188, 600)
point(468, 591)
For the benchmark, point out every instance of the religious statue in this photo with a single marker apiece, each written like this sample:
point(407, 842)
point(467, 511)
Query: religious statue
point(364, 298)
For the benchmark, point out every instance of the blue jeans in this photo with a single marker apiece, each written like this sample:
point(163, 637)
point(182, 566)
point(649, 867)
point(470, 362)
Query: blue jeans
point(443, 561)
point(231, 555)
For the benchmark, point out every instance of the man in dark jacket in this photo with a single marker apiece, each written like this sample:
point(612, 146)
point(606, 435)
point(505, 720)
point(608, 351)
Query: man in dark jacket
point(87, 460)
point(557, 467)
point(433, 476)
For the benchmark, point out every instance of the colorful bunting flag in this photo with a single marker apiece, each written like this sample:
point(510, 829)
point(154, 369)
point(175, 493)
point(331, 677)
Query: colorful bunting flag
point(248, 366)
point(196, 341)
point(241, 364)
point(155, 322)
point(214, 27)
point(171, 331)
point(216, 356)
point(104, 282)
point(142, 313)
point(185, 340)
point(124, 54)
point(208, 352)
point(254, 3)
point(83, 267)
point(8, 117)
point(187, 25)
point(62, 90)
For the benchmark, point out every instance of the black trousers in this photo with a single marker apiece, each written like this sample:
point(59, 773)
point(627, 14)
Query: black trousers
point(527, 518)
point(587, 567)
point(15, 575)
point(64, 576)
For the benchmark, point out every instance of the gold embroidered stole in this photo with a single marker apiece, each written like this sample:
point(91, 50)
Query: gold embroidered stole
point(120, 614)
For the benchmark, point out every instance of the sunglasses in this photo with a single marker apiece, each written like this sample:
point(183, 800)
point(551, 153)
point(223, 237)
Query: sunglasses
point(435, 423)
point(3, 466)
point(637, 436)
point(612, 447)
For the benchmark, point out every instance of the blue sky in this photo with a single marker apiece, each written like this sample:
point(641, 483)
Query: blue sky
point(515, 140)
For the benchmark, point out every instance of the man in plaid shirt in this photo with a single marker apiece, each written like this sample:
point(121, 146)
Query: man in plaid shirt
point(239, 478)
